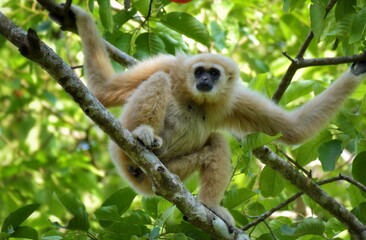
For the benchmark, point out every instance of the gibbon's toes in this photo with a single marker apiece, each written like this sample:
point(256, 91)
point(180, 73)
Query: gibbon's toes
point(158, 142)
point(145, 135)
point(358, 68)
point(224, 214)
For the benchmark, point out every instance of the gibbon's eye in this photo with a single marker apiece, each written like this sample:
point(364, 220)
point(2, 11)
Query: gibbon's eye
point(214, 73)
point(198, 72)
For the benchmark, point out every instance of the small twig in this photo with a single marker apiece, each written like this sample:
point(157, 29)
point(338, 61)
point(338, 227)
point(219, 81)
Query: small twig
point(77, 66)
point(308, 173)
point(346, 178)
point(148, 13)
point(287, 78)
point(267, 214)
point(288, 56)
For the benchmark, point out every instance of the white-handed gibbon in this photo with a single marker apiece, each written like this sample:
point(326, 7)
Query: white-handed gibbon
point(178, 105)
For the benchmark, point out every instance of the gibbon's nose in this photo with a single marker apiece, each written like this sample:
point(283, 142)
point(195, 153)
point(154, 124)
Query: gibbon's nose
point(204, 86)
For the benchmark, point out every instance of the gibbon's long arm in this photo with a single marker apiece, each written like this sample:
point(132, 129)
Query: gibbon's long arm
point(111, 88)
point(254, 113)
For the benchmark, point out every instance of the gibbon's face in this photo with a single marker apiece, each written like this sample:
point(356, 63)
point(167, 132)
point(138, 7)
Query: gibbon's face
point(206, 78)
point(210, 77)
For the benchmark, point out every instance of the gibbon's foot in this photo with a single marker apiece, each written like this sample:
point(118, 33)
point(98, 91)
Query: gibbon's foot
point(358, 68)
point(145, 134)
point(224, 214)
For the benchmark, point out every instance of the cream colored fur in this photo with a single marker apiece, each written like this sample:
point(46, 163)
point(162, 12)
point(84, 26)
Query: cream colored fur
point(166, 112)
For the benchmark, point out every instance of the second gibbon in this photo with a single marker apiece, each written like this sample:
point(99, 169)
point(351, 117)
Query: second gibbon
point(177, 106)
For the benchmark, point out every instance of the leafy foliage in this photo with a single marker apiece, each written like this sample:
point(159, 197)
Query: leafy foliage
point(55, 163)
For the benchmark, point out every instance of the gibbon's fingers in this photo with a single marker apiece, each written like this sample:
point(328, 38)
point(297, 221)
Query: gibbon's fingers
point(358, 68)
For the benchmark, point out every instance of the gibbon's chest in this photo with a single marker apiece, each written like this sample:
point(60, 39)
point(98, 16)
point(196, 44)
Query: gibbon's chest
point(186, 129)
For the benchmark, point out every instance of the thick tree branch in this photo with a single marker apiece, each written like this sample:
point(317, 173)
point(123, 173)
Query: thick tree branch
point(167, 184)
point(310, 188)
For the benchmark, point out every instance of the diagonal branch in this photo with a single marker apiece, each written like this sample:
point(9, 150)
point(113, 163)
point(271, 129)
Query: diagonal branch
point(167, 184)
point(287, 78)
point(310, 188)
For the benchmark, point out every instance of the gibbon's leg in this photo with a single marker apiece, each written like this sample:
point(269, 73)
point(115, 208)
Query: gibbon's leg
point(144, 115)
point(213, 163)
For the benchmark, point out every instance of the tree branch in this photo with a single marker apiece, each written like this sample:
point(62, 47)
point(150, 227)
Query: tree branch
point(265, 215)
point(355, 227)
point(346, 178)
point(167, 184)
point(287, 78)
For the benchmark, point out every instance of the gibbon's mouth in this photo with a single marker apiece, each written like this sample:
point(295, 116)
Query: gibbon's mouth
point(204, 87)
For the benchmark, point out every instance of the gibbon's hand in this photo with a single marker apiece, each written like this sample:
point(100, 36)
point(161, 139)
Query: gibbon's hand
point(358, 68)
point(145, 134)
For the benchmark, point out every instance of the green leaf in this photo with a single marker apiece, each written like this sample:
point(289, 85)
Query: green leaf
point(329, 153)
point(148, 44)
point(359, 168)
point(308, 152)
point(122, 199)
point(344, 8)
point(235, 197)
point(290, 5)
point(70, 202)
point(122, 17)
point(80, 221)
point(309, 226)
point(270, 182)
point(138, 217)
point(107, 213)
point(218, 34)
point(14, 219)
point(358, 26)
point(127, 228)
point(25, 232)
point(256, 140)
point(187, 25)
point(142, 6)
point(150, 205)
point(105, 13)
point(154, 233)
point(333, 227)
point(354, 195)
point(317, 13)
point(188, 229)
point(360, 212)
point(342, 27)
point(298, 89)
point(91, 5)
point(161, 221)
point(254, 209)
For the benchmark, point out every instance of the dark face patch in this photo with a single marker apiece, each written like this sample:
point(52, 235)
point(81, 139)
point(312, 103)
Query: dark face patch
point(206, 78)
